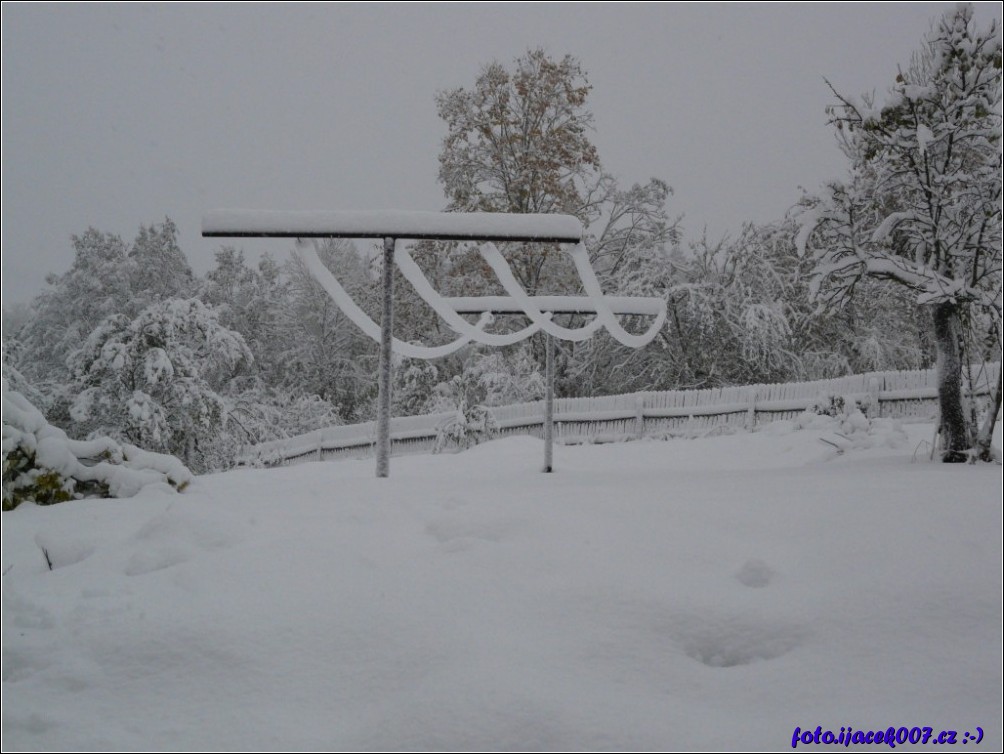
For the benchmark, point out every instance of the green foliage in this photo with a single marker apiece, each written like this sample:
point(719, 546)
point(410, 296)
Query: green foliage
point(41, 464)
point(24, 479)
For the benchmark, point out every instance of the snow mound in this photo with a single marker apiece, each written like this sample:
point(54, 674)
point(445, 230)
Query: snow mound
point(842, 422)
point(41, 464)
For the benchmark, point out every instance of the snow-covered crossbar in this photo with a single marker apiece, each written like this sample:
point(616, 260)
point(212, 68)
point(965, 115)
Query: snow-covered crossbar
point(481, 227)
point(442, 226)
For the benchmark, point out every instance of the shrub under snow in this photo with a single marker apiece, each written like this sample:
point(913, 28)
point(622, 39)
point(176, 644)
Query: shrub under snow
point(846, 424)
point(43, 465)
point(470, 426)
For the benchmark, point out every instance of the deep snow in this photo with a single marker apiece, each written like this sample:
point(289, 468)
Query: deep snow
point(705, 593)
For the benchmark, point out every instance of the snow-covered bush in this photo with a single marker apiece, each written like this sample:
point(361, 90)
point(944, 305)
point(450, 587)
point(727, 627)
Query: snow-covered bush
point(14, 380)
point(472, 421)
point(43, 465)
point(844, 420)
point(468, 427)
point(841, 406)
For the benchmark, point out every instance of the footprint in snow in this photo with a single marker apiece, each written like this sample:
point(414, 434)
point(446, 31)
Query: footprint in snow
point(176, 536)
point(731, 641)
point(755, 574)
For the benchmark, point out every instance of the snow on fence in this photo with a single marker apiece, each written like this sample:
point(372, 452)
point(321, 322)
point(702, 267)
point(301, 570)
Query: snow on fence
point(905, 395)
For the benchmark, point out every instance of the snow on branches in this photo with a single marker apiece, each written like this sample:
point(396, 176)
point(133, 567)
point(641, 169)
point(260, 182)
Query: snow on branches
point(41, 464)
point(922, 206)
point(155, 380)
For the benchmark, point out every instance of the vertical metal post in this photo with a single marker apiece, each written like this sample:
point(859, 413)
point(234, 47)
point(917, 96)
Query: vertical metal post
point(549, 405)
point(384, 378)
point(639, 416)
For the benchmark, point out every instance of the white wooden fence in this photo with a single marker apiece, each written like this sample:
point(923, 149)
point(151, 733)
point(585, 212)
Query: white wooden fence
point(908, 395)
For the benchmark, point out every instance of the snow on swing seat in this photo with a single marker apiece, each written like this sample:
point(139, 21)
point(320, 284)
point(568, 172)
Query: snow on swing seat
point(444, 226)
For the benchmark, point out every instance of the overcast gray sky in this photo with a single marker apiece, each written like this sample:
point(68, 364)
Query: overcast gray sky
point(119, 115)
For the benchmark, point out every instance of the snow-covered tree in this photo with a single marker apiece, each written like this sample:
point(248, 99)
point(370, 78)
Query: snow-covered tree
point(628, 227)
point(509, 375)
point(158, 381)
point(731, 310)
point(922, 206)
point(740, 312)
point(159, 269)
point(322, 353)
point(107, 277)
point(95, 287)
point(465, 397)
point(517, 141)
point(415, 381)
point(770, 277)
point(232, 288)
point(258, 413)
point(251, 301)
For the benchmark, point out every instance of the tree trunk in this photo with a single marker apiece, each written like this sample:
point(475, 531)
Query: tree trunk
point(954, 427)
point(986, 435)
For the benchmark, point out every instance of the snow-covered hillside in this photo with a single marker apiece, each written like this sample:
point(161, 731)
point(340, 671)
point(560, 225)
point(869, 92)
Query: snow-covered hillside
point(711, 593)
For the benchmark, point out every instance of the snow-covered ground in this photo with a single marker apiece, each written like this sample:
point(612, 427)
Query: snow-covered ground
point(711, 593)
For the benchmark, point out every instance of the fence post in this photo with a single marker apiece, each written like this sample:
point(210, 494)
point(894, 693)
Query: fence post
point(751, 411)
point(873, 396)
